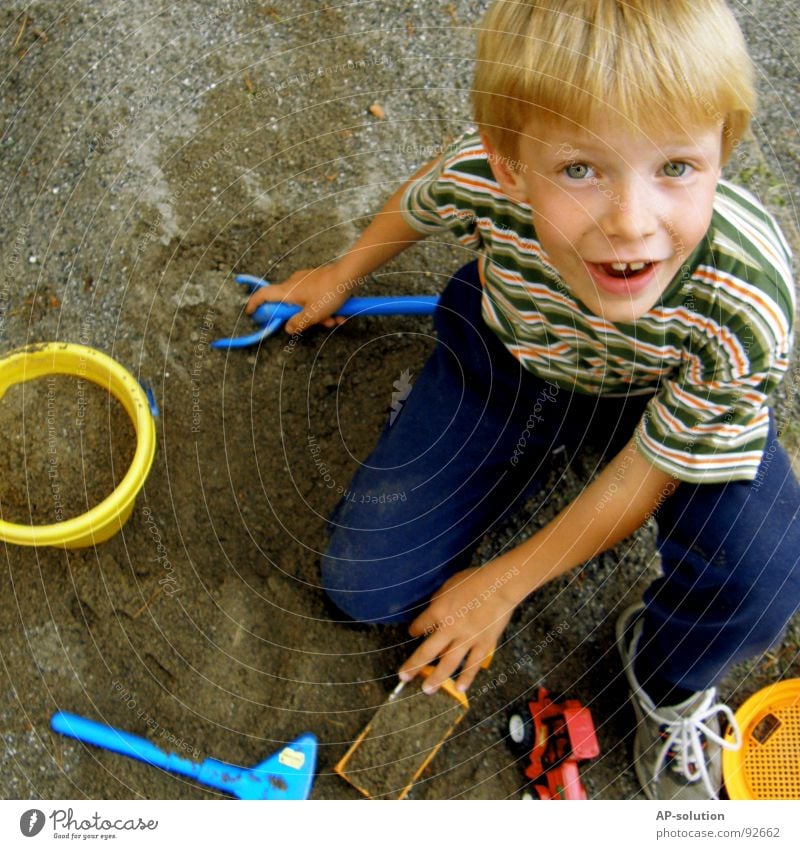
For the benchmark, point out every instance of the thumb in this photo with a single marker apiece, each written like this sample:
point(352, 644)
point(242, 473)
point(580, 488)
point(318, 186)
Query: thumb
point(311, 314)
point(299, 322)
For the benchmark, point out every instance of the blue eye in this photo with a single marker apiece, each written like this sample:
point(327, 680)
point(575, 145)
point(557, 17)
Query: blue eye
point(675, 169)
point(577, 171)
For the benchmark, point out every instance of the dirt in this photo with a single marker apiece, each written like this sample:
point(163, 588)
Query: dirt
point(404, 733)
point(146, 159)
point(69, 444)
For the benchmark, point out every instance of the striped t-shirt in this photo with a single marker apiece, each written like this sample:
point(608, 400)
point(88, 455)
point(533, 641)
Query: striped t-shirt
point(711, 351)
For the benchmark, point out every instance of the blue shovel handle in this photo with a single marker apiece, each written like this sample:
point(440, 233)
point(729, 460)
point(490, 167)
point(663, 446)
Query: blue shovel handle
point(121, 742)
point(269, 316)
point(285, 775)
point(400, 305)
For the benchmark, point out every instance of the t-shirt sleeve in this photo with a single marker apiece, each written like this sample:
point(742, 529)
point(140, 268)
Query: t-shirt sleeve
point(710, 423)
point(440, 199)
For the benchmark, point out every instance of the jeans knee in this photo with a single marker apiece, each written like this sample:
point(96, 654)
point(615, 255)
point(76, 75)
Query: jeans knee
point(359, 589)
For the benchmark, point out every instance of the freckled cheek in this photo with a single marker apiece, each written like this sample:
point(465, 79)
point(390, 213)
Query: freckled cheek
point(688, 220)
point(556, 242)
point(693, 226)
point(563, 228)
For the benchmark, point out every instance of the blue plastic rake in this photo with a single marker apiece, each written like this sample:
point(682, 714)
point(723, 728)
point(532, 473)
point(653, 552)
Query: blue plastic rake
point(288, 774)
point(271, 316)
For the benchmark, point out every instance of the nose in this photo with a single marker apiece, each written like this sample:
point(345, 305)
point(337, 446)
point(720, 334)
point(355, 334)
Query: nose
point(629, 211)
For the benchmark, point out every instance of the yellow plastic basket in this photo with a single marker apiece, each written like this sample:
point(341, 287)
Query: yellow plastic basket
point(767, 766)
point(104, 520)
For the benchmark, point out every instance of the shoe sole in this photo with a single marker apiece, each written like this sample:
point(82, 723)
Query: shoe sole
point(625, 623)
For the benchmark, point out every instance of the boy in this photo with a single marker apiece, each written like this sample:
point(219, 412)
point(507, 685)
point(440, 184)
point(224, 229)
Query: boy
point(622, 290)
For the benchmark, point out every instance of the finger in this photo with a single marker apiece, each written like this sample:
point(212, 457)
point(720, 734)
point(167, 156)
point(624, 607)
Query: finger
point(475, 661)
point(333, 321)
point(446, 666)
point(299, 322)
point(424, 623)
point(256, 299)
point(317, 312)
point(310, 315)
point(262, 295)
point(425, 654)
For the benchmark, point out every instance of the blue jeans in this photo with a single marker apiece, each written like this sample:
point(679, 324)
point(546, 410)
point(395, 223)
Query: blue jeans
point(473, 440)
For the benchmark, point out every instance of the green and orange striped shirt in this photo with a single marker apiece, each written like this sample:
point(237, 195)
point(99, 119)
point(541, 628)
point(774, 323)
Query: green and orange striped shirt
point(710, 352)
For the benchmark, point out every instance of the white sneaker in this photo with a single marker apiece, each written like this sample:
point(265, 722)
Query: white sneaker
point(677, 750)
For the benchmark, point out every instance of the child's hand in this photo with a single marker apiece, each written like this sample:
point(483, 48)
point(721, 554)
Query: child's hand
point(465, 619)
point(320, 291)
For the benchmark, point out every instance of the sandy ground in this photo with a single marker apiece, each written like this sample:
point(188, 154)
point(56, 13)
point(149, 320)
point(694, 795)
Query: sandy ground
point(146, 158)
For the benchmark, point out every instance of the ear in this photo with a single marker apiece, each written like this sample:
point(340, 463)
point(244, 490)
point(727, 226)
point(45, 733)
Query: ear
point(510, 180)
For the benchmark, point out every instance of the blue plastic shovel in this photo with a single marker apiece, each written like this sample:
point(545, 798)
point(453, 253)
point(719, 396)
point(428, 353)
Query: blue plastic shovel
point(271, 315)
point(288, 774)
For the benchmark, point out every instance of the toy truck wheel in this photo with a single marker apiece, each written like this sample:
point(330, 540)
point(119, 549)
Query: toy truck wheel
point(538, 794)
point(520, 733)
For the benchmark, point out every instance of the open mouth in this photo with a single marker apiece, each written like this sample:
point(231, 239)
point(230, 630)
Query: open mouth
point(625, 270)
point(623, 279)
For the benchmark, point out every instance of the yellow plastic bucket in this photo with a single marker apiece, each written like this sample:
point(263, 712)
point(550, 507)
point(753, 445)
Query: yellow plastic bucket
point(767, 766)
point(104, 520)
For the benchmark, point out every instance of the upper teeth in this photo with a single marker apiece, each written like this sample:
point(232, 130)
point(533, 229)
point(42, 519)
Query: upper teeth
point(624, 266)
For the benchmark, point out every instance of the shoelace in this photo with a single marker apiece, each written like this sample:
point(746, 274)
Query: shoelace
point(685, 739)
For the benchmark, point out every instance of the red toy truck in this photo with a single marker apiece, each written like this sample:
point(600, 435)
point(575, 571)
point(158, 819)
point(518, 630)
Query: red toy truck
point(556, 736)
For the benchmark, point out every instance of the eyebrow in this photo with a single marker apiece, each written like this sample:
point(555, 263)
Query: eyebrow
point(669, 150)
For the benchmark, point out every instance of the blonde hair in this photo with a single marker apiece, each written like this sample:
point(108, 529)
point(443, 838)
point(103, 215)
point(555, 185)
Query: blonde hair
point(655, 63)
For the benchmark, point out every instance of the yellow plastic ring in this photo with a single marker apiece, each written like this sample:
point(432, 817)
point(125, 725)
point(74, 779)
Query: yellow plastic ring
point(105, 519)
point(767, 766)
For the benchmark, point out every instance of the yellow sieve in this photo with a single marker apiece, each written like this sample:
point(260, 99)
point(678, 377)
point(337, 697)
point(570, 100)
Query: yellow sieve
point(104, 520)
point(767, 766)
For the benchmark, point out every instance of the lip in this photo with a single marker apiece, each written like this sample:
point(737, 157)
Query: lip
point(619, 286)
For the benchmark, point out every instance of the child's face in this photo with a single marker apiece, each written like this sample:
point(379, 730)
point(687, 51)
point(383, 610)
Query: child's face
point(610, 194)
